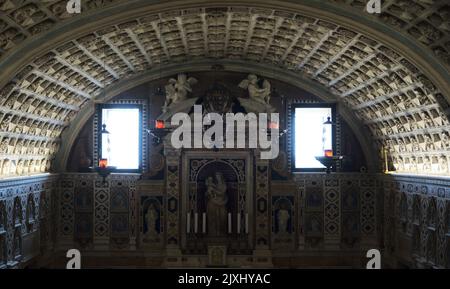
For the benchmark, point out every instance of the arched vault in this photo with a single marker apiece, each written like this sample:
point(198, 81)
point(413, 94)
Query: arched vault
point(388, 72)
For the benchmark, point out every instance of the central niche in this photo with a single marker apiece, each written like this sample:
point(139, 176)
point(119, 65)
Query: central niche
point(218, 196)
point(216, 203)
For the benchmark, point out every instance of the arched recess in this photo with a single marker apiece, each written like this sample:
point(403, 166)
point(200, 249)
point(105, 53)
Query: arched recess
point(315, 88)
point(418, 59)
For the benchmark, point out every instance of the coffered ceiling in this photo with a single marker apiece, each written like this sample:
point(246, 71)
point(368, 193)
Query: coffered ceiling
point(403, 108)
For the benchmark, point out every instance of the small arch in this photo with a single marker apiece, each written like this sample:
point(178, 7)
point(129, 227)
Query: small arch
point(3, 217)
point(417, 209)
point(31, 209)
point(17, 243)
point(431, 247)
point(281, 207)
point(431, 212)
point(17, 211)
point(403, 207)
point(3, 250)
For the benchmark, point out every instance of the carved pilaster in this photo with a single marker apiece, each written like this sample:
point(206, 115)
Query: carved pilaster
point(66, 213)
point(368, 214)
point(262, 254)
point(332, 213)
point(101, 214)
point(301, 214)
point(133, 217)
point(441, 232)
point(173, 237)
point(262, 203)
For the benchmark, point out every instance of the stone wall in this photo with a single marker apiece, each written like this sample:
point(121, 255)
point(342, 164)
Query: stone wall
point(417, 221)
point(334, 218)
point(27, 219)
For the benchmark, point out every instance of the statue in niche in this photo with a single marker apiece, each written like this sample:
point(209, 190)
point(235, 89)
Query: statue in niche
point(443, 164)
point(4, 146)
point(429, 145)
point(177, 89)
point(6, 168)
point(283, 219)
point(2, 217)
point(151, 217)
point(4, 125)
point(257, 91)
point(216, 206)
point(413, 164)
point(17, 243)
point(428, 121)
point(2, 251)
point(445, 139)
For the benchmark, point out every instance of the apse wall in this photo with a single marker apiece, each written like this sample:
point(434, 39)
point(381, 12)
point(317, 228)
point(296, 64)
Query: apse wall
point(412, 220)
point(338, 220)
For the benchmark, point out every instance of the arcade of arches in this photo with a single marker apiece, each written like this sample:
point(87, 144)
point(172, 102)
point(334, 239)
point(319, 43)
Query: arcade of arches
point(386, 74)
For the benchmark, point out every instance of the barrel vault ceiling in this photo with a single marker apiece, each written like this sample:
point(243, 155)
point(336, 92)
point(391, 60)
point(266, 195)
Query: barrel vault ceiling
point(403, 109)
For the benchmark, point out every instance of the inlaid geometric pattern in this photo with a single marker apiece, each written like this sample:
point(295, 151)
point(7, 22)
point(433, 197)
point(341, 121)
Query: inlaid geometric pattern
point(23, 212)
point(401, 106)
point(332, 208)
point(428, 220)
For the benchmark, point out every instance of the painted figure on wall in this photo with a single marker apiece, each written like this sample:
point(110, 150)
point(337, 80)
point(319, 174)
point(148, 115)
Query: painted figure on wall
point(216, 206)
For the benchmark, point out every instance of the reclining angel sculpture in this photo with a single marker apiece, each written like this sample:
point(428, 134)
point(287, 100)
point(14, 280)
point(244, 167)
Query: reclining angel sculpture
point(255, 91)
point(177, 89)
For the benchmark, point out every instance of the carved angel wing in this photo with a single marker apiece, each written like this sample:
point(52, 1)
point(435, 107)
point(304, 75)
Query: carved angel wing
point(266, 85)
point(170, 89)
point(244, 84)
point(192, 81)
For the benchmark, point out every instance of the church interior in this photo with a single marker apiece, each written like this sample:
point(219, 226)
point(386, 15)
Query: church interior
point(355, 103)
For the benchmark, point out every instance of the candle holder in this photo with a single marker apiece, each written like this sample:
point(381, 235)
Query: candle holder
point(103, 163)
point(159, 131)
point(329, 161)
point(104, 172)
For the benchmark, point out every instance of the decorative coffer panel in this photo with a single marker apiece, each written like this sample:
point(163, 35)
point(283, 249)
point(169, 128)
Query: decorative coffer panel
point(27, 219)
point(400, 105)
point(417, 221)
point(425, 21)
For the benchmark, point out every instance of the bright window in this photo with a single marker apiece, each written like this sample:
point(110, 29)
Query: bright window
point(121, 145)
point(311, 136)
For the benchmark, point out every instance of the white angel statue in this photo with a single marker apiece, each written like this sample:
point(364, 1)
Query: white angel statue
point(257, 93)
point(177, 89)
